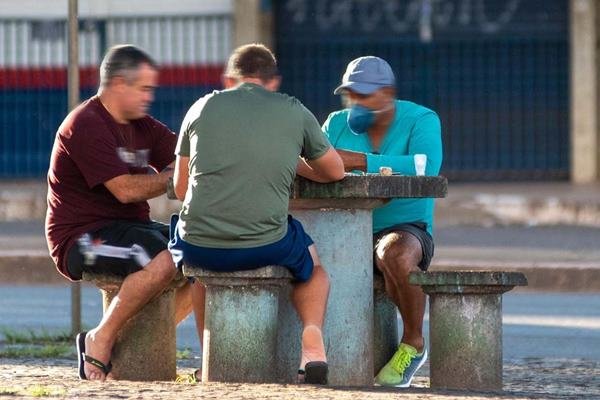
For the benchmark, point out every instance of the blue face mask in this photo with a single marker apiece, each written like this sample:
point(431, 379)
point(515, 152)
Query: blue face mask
point(361, 118)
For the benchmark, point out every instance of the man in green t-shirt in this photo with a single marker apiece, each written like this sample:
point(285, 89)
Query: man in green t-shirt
point(237, 155)
point(377, 130)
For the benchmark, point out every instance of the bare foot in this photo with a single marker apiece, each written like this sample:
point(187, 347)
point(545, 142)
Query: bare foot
point(99, 349)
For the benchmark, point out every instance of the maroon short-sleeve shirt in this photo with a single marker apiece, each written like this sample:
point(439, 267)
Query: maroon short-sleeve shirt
point(91, 148)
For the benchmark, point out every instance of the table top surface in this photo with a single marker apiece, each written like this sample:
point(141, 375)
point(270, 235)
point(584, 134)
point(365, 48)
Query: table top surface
point(372, 186)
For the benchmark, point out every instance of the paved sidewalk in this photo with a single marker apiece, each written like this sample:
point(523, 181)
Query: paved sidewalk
point(528, 203)
point(483, 204)
point(523, 379)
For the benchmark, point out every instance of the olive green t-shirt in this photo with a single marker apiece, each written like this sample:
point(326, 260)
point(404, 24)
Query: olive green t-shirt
point(243, 145)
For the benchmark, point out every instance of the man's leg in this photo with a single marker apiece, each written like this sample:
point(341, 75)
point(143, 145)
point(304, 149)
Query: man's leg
point(183, 302)
point(137, 289)
point(190, 297)
point(198, 301)
point(397, 254)
point(310, 300)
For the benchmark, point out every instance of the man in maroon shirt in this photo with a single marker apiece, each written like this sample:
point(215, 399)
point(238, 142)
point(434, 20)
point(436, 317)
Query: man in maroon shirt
point(98, 183)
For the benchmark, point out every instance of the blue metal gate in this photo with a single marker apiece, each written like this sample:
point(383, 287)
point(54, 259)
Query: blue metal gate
point(496, 72)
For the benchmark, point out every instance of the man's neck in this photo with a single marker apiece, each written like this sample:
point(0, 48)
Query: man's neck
point(271, 85)
point(109, 104)
point(255, 81)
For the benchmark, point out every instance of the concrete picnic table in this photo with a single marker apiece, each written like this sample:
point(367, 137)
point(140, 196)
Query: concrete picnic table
point(256, 331)
point(338, 217)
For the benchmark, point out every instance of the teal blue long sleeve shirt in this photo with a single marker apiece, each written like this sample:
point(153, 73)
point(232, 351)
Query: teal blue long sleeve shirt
point(414, 130)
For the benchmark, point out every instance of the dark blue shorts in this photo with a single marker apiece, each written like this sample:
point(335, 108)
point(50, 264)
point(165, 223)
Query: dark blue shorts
point(291, 252)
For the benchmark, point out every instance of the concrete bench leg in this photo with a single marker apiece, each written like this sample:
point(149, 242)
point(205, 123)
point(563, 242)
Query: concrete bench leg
point(465, 320)
point(145, 349)
point(240, 334)
point(385, 319)
point(347, 256)
point(240, 323)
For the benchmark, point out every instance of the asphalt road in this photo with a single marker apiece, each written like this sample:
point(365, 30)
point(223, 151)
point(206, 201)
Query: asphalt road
point(536, 325)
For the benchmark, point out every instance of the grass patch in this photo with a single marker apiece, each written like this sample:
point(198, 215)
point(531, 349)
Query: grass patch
point(184, 354)
point(62, 350)
point(32, 337)
point(45, 391)
point(33, 391)
point(8, 391)
point(32, 351)
point(35, 344)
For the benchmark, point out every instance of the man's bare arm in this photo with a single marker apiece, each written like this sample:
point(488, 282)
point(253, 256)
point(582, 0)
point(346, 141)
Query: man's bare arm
point(133, 188)
point(353, 160)
point(180, 179)
point(304, 170)
point(327, 168)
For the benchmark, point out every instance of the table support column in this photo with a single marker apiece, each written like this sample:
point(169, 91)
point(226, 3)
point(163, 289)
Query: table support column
point(344, 242)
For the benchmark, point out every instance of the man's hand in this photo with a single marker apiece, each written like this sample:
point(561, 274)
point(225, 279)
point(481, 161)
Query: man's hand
point(353, 160)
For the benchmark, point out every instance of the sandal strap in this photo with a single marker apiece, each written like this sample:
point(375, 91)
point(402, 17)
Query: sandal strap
point(97, 363)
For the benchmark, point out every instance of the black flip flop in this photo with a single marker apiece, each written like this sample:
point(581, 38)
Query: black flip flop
point(82, 358)
point(315, 373)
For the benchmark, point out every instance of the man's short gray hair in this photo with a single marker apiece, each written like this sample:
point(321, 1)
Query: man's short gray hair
point(123, 60)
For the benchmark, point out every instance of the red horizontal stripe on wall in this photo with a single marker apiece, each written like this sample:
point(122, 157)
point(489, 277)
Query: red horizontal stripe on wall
point(190, 75)
point(56, 77)
point(44, 78)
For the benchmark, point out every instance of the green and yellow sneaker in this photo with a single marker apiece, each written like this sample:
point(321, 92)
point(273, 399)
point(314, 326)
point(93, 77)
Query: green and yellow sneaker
point(401, 369)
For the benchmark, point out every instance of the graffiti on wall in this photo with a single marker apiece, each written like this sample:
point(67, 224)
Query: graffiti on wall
point(402, 16)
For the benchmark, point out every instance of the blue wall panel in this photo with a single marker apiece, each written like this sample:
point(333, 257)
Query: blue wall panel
point(29, 119)
point(497, 72)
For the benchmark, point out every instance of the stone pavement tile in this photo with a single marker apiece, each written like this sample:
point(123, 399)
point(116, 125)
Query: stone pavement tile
point(559, 378)
point(524, 379)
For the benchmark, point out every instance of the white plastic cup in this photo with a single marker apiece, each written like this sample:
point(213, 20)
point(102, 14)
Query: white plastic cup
point(420, 164)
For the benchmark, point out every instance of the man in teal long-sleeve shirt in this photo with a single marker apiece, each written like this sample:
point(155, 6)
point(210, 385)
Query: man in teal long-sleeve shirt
point(376, 130)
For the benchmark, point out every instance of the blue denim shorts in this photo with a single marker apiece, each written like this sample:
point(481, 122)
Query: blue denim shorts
point(291, 252)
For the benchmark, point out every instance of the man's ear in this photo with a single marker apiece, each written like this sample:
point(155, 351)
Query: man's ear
point(228, 82)
point(117, 84)
point(273, 84)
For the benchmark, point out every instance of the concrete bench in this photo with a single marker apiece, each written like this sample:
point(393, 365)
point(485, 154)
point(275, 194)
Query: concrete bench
point(465, 326)
point(243, 310)
point(145, 349)
point(241, 323)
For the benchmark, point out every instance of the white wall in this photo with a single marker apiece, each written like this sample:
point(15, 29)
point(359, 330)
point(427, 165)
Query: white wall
point(53, 9)
point(204, 39)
